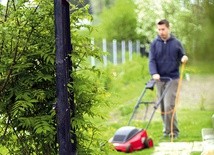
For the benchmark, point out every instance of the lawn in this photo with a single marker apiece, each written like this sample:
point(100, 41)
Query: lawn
point(190, 121)
point(125, 84)
point(194, 111)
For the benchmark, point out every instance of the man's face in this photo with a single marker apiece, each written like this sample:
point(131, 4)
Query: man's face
point(163, 31)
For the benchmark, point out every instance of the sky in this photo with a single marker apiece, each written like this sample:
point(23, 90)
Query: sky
point(4, 2)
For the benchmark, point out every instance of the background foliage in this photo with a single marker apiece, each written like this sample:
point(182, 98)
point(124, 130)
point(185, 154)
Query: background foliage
point(191, 22)
point(27, 80)
point(118, 22)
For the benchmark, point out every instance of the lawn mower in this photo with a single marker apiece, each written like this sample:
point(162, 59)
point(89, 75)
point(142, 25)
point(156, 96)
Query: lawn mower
point(129, 138)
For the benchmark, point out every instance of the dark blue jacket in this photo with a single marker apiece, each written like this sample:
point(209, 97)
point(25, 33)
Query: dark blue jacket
point(165, 57)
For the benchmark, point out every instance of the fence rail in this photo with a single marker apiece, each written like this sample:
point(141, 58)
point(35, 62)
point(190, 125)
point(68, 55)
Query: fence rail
point(117, 52)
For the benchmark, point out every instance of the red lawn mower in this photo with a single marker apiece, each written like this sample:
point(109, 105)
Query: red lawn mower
point(129, 138)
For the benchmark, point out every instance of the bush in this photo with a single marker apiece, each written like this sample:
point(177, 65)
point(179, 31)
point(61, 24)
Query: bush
point(118, 22)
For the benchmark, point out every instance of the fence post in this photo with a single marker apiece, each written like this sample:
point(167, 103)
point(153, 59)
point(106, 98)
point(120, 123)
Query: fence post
point(115, 52)
point(123, 44)
point(92, 58)
point(130, 50)
point(65, 101)
point(138, 46)
point(105, 60)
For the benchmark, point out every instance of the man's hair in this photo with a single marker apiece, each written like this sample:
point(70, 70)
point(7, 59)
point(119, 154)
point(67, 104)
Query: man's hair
point(164, 21)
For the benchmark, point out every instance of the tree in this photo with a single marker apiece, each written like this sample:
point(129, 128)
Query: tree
point(190, 22)
point(119, 21)
point(98, 6)
point(203, 47)
point(148, 12)
point(27, 80)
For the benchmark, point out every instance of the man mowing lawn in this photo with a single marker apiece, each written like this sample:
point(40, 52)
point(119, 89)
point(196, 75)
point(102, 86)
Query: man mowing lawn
point(166, 54)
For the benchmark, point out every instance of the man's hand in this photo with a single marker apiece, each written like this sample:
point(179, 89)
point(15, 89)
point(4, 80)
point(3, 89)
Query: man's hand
point(156, 76)
point(184, 59)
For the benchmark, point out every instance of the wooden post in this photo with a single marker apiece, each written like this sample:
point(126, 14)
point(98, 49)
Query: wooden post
point(65, 101)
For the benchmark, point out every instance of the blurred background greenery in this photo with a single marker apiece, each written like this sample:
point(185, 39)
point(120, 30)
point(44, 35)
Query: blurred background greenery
point(191, 21)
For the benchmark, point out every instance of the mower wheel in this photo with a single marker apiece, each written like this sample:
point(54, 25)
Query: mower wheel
point(129, 148)
point(148, 143)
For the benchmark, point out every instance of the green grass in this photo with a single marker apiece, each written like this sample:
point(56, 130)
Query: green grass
point(190, 122)
point(125, 89)
point(200, 67)
point(195, 153)
point(125, 83)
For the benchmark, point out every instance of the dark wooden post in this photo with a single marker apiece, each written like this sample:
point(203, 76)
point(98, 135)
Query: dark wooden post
point(63, 69)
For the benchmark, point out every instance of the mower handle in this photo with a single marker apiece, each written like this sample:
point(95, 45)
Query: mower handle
point(165, 78)
point(151, 83)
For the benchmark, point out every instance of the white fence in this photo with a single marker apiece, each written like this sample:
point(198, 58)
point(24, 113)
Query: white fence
point(116, 52)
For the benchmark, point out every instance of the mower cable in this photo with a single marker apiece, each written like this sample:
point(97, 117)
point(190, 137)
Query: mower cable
point(177, 98)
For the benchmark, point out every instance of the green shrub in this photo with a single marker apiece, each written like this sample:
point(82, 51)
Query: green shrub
point(118, 22)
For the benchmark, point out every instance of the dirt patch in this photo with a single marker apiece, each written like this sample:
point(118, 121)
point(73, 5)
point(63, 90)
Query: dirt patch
point(198, 92)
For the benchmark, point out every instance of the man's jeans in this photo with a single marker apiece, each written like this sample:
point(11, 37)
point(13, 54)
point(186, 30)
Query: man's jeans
point(167, 106)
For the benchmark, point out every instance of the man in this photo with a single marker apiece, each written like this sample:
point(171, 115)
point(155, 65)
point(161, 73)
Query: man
point(166, 54)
